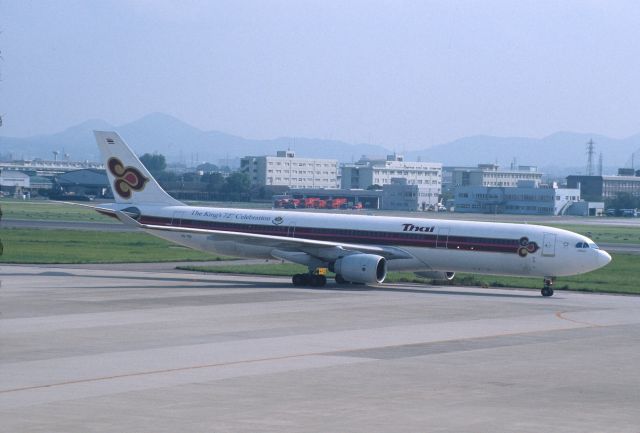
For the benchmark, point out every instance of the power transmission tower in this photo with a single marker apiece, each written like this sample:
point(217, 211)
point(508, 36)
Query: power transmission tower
point(590, 152)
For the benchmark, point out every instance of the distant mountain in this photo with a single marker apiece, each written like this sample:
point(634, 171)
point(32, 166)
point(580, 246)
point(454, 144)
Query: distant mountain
point(76, 141)
point(552, 153)
point(181, 142)
point(178, 141)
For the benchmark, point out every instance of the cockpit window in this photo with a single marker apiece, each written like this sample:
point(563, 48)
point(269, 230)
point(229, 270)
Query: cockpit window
point(582, 245)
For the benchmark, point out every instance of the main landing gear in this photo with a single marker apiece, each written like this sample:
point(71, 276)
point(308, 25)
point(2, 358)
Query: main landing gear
point(313, 279)
point(547, 290)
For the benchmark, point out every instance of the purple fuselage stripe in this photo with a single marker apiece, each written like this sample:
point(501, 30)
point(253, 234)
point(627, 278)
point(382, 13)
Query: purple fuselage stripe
point(365, 237)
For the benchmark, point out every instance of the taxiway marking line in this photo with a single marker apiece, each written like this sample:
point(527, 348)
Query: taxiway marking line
point(560, 315)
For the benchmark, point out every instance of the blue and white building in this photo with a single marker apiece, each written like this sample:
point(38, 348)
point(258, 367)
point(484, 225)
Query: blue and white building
point(528, 198)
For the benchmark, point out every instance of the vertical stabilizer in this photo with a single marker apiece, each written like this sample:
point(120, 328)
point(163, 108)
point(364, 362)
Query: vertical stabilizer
point(130, 181)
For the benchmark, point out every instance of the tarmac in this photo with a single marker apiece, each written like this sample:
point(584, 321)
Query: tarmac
point(103, 349)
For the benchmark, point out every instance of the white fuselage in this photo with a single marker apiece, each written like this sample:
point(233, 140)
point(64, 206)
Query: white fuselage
point(433, 244)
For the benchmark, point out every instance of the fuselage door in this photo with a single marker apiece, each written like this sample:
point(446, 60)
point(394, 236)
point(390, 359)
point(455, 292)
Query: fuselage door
point(443, 237)
point(176, 221)
point(549, 245)
point(291, 230)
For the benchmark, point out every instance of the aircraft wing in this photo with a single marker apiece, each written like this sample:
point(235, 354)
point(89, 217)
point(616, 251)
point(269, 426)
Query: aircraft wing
point(324, 250)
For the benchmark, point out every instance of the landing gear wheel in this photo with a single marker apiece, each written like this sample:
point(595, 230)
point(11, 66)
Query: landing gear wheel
point(340, 279)
point(547, 290)
point(298, 280)
point(318, 280)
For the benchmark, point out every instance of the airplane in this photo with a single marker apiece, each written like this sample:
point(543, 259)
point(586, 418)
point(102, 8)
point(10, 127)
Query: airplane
point(359, 249)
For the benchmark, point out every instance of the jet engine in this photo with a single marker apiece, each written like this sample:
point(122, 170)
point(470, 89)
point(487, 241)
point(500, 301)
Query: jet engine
point(437, 275)
point(361, 268)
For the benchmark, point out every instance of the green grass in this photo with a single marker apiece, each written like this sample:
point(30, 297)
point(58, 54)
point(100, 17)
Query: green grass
point(622, 275)
point(75, 246)
point(46, 210)
point(49, 210)
point(604, 234)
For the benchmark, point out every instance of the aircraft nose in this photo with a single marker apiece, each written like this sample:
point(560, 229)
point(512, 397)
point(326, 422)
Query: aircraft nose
point(603, 258)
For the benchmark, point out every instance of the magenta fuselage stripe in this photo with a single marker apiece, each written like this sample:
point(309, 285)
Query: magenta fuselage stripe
point(367, 237)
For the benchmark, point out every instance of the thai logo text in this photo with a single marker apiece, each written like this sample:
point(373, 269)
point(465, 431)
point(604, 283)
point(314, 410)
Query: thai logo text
point(128, 178)
point(414, 228)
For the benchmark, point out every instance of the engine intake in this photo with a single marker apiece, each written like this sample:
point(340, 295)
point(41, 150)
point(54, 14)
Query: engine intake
point(361, 268)
point(437, 275)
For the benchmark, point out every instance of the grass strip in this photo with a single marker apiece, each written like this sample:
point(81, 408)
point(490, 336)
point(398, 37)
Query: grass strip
point(42, 246)
point(604, 234)
point(51, 211)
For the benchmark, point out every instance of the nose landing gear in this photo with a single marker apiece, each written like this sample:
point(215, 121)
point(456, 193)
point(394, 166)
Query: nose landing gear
point(547, 289)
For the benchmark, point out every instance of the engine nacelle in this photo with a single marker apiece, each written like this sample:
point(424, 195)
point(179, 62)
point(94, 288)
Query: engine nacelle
point(437, 275)
point(361, 268)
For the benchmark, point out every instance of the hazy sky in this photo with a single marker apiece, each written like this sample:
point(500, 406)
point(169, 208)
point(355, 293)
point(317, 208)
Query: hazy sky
point(404, 74)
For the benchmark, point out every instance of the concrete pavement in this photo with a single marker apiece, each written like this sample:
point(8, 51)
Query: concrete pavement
point(115, 350)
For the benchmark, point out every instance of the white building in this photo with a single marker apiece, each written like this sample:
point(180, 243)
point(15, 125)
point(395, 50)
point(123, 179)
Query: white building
point(491, 175)
point(286, 169)
point(13, 179)
point(363, 174)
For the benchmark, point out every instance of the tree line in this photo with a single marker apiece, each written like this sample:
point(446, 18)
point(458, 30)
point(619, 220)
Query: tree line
point(234, 187)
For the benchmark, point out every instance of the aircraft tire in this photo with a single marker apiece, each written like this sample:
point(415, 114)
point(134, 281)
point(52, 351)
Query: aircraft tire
point(318, 280)
point(547, 291)
point(298, 280)
point(340, 279)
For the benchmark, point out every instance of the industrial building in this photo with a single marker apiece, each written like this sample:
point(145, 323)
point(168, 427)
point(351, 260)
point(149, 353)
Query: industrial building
point(88, 183)
point(19, 183)
point(285, 169)
point(14, 182)
point(400, 195)
point(527, 198)
point(491, 175)
point(606, 187)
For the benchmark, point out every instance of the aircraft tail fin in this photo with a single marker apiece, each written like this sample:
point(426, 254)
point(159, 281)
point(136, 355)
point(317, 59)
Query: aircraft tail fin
point(130, 181)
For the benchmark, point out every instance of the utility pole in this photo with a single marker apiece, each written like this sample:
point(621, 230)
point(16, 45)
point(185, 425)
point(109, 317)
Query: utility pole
point(590, 152)
point(600, 165)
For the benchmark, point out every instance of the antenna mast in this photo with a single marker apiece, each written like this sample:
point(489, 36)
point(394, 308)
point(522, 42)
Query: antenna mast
point(590, 152)
point(600, 165)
